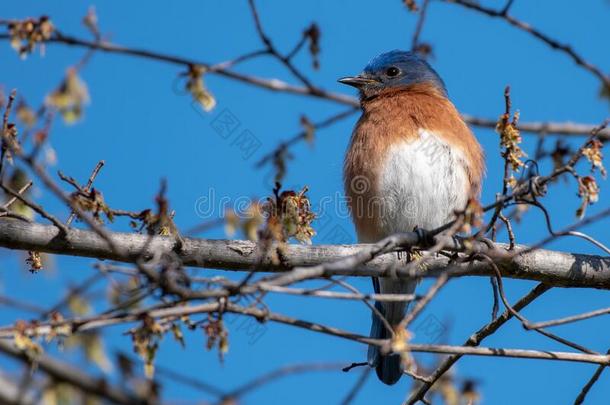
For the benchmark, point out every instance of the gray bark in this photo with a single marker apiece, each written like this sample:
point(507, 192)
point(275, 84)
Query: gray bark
point(552, 267)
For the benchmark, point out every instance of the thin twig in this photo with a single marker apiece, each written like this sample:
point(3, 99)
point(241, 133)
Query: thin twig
point(303, 134)
point(357, 296)
point(20, 192)
point(420, 25)
point(475, 340)
point(585, 390)
point(3, 135)
point(273, 51)
point(570, 319)
point(87, 187)
point(421, 304)
point(277, 374)
point(526, 323)
point(554, 44)
point(353, 392)
point(41, 211)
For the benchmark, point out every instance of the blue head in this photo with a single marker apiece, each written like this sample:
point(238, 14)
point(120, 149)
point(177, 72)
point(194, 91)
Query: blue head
point(394, 69)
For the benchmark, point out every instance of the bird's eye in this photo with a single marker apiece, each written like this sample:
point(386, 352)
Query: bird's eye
point(392, 71)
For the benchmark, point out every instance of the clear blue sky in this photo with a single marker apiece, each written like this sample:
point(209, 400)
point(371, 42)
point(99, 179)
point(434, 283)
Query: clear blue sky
point(146, 131)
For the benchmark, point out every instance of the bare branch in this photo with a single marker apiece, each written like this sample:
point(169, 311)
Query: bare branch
point(62, 228)
point(87, 187)
point(557, 128)
point(419, 26)
point(351, 395)
point(315, 327)
point(475, 340)
point(585, 390)
point(557, 268)
point(553, 43)
point(20, 192)
point(277, 374)
point(570, 319)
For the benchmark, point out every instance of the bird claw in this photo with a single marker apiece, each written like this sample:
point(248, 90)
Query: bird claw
point(412, 256)
point(416, 255)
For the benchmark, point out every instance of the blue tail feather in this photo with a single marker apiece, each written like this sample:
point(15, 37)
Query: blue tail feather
point(388, 367)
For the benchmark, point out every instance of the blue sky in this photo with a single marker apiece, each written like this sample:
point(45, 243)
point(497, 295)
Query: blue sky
point(145, 130)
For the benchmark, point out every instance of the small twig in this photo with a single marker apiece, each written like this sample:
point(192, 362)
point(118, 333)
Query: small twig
point(514, 353)
point(233, 62)
point(546, 128)
point(303, 134)
point(266, 40)
point(7, 112)
point(554, 44)
point(506, 8)
point(421, 304)
point(495, 307)
point(351, 395)
point(21, 305)
point(526, 323)
point(416, 376)
point(87, 187)
point(63, 230)
point(277, 374)
point(297, 47)
point(505, 118)
point(474, 340)
point(420, 25)
point(593, 135)
point(180, 378)
point(341, 295)
point(570, 232)
point(20, 192)
point(73, 292)
point(570, 319)
point(370, 306)
point(509, 230)
point(585, 390)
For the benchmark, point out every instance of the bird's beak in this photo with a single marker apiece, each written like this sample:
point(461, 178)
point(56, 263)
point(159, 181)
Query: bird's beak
point(357, 81)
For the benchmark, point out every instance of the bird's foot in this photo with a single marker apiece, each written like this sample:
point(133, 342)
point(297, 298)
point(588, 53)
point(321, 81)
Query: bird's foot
point(410, 256)
point(418, 257)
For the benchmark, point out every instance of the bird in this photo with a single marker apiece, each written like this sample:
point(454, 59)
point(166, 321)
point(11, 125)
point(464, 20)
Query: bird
point(411, 163)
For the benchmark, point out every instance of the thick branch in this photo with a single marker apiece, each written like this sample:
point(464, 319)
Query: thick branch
point(552, 267)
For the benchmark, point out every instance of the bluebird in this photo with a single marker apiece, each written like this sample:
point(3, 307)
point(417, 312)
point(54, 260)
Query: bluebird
point(411, 163)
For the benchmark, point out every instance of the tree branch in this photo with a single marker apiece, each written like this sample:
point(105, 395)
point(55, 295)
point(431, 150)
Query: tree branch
point(552, 267)
point(474, 340)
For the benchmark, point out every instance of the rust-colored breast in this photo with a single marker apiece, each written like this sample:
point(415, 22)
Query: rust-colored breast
point(399, 116)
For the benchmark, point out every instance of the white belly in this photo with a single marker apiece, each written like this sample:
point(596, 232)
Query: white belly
point(422, 183)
